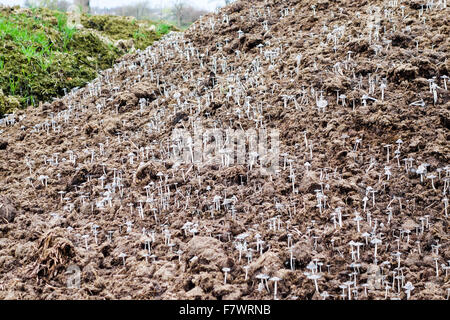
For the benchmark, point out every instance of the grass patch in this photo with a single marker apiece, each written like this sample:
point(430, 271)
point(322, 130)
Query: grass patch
point(42, 57)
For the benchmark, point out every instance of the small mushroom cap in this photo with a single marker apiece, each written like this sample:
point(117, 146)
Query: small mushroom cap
point(322, 103)
point(275, 279)
point(315, 276)
point(408, 286)
point(311, 265)
point(375, 241)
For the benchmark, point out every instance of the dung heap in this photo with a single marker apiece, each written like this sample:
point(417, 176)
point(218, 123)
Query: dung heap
point(356, 209)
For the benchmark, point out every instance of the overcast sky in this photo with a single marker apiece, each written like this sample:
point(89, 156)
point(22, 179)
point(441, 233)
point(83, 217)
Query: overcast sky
point(204, 4)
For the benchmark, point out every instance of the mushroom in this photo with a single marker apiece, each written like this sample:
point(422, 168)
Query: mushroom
point(275, 280)
point(225, 270)
point(123, 256)
point(315, 277)
point(263, 278)
point(408, 288)
point(376, 242)
point(432, 177)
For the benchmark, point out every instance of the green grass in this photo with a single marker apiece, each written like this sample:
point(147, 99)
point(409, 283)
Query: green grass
point(139, 35)
point(66, 31)
point(29, 52)
point(163, 28)
point(13, 86)
point(45, 63)
point(41, 56)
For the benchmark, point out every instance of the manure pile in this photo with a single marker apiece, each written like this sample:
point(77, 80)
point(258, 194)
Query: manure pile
point(357, 209)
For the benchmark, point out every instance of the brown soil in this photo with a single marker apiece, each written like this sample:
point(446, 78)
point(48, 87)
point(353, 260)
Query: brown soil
point(74, 143)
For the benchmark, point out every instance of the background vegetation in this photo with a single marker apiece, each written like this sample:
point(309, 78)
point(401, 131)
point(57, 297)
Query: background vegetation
point(42, 57)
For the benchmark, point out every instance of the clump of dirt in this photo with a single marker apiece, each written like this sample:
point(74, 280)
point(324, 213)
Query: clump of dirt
point(53, 254)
